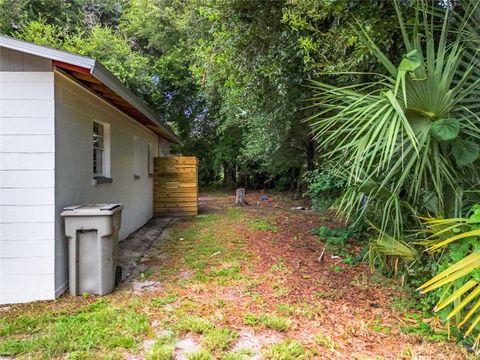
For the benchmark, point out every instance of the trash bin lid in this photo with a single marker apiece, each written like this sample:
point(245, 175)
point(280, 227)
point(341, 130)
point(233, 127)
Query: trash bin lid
point(91, 210)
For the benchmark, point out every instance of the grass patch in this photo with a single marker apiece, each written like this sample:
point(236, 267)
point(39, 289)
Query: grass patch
point(194, 324)
point(171, 298)
point(278, 323)
point(263, 225)
point(235, 213)
point(201, 354)
point(251, 319)
point(285, 309)
point(242, 354)
point(219, 338)
point(326, 341)
point(425, 331)
point(207, 217)
point(286, 350)
point(162, 349)
point(376, 326)
point(96, 326)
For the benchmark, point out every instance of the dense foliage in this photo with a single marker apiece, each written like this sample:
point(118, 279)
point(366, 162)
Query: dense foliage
point(229, 76)
point(390, 87)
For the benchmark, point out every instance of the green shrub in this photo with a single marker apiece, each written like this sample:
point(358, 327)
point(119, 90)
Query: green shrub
point(324, 186)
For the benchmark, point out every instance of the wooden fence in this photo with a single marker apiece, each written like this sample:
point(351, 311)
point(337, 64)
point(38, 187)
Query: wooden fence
point(175, 189)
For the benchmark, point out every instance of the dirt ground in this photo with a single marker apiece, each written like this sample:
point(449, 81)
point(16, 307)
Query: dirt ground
point(246, 282)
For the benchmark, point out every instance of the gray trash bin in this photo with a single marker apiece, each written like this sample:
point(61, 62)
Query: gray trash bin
point(92, 233)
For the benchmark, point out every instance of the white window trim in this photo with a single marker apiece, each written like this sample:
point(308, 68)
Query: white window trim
point(136, 159)
point(105, 155)
point(150, 157)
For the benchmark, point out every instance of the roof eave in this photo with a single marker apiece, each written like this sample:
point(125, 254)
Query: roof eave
point(102, 74)
point(97, 70)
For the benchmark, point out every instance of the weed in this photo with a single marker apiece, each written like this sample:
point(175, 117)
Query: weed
point(278, 323)
point(235, 213)
point(162, 349)
point(376, 326)
point(145, 275)
point(274, 322)
point(194, 324)
point(201, 354)
point(336, 240)
point(263, 225)
point(242, 354)
point(98, 325)
point(218, 338)
point(207, 217)
point(426, 331)
point(326, 341)
point(251, 319)
point(336, 268)
point(286, 350)
point(310, 311)
point(171, 298)
point(402, 303)
point(285, 309)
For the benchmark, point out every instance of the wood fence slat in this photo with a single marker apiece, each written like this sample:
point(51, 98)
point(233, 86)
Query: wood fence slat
point(175, 184)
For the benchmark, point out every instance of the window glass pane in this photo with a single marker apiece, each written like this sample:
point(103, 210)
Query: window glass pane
point(98, 149)
point(97, 161)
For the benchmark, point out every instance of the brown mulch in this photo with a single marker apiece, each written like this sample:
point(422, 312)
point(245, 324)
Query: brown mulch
point(351, 301)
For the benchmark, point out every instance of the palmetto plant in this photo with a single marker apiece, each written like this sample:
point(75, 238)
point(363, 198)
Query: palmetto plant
point(407, 140)
point(459, 283)
point(408, 143)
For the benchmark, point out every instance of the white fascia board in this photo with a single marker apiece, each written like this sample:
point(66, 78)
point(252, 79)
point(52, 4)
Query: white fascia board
point(46, 52)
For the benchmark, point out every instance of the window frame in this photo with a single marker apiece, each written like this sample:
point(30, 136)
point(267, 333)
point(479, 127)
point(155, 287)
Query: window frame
point(150, 159)
point(104, 151)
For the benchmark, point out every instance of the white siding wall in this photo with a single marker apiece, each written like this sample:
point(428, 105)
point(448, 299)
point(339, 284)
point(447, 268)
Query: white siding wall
point(75, 111)
point(27, 180)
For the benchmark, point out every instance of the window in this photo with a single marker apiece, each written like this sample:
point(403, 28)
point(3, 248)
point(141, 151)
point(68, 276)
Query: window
point(101, 153)
point(98, 149)
point(149, 159)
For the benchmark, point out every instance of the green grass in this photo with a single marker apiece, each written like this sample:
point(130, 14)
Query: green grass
point(162, 349)
point(285, 309)
point(242, 354)
point(425, 331)
point(235, 213)
point(171, 298)
point(326, 341)
point(278, 323)
point(201, 354)
point(219, 338)
point(286, 350)
point(98, 326)
point(194, 324)
point(251, 319)
point(263, 225)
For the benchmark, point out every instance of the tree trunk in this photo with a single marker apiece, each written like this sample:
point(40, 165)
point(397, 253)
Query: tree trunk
point(240, 197)
point(228, 178)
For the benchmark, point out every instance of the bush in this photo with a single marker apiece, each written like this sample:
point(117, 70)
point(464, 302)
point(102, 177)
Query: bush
point(324, 186)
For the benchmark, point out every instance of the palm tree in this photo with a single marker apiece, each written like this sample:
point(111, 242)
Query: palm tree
point(407, 141)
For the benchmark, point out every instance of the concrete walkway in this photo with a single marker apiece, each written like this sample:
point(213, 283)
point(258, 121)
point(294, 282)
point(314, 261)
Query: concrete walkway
point(136, 246)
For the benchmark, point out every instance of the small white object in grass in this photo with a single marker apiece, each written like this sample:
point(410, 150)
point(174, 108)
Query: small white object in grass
point(181, 239)
point(215, 254)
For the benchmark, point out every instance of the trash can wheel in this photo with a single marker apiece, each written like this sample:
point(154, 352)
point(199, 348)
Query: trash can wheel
point(118, 275)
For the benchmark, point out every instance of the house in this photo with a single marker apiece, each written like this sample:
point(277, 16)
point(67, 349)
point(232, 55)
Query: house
point(70, 133)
